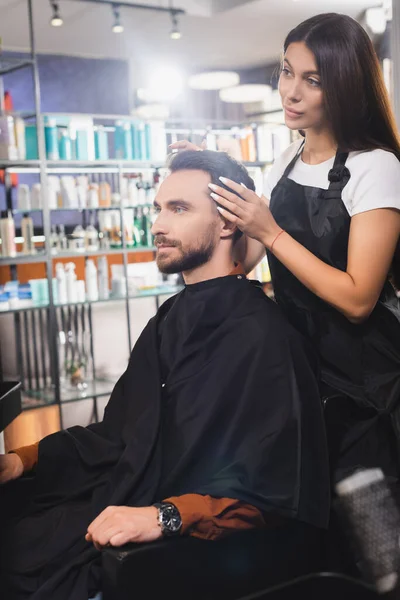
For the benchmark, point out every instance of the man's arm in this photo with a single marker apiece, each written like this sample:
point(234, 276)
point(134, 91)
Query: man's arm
point(209, 518)
point(28, 455)
point(203, 517)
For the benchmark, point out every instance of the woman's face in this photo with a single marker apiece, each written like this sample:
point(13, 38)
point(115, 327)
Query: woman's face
point(300, 89)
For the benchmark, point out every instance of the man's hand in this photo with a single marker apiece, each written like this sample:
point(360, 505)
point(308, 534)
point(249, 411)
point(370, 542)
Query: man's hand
point(11, 467)
point(118, 525)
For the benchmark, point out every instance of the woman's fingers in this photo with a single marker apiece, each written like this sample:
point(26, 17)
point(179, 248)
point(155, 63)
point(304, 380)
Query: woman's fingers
point(240, 189)
point(185, 145)
point(229, 216)
point(228, 205)
point(230, 196)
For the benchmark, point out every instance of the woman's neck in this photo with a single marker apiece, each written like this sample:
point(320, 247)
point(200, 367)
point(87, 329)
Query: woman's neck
point(319, 146)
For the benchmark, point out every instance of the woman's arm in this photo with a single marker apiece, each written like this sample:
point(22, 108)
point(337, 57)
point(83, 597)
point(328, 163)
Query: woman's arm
point(372, 242)
point(373, 238)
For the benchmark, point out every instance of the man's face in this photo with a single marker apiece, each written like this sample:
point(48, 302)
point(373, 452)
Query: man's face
point(188, 224)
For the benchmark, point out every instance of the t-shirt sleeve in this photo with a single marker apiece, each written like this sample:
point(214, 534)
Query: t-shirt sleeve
point(376, 183)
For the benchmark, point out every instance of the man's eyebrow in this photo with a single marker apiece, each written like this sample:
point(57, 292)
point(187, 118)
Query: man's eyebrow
point(174, 203)
point(305, 72)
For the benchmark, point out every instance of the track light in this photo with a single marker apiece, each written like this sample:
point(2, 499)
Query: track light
point(56, 20)
point(117, 27)
point(175, 31)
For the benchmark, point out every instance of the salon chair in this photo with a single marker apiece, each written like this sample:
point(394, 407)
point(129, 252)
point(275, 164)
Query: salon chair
point(240, 564)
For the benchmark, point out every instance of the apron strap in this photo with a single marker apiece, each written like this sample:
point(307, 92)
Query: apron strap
point(338, 176)
point(293, 161)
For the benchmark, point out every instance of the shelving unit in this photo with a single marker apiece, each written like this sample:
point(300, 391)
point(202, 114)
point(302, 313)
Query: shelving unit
point(37, 327)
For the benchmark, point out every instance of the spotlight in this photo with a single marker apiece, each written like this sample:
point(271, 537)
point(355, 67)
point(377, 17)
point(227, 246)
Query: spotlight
point(56, 20)
point(175, 31)
point(117, 27)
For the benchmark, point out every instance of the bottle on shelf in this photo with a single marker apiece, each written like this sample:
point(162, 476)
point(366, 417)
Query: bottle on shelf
point(77, 239)
point(71, 282)
point(100, 143)
point(65, 146)
point(23, 197)
point(104, 194)
point(116, 235)
point(36, 196)
point(93, 196)
point(51, 139)
point(147, 225)
point(91, 238)
point(61, 284)
point(92, 291)
point(128, 216)
point(138, 232)
point(7, 234)
point(54, 240)
point(102, 270)
point(28, 246)
point(62, 239)
point(133, 193)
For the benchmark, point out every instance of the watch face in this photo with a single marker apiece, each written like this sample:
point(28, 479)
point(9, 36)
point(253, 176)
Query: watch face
point(170, 518)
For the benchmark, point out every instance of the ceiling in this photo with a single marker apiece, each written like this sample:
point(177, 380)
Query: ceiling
point(216, 33)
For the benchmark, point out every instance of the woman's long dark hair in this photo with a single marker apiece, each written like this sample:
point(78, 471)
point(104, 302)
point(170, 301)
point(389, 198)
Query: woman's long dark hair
point(356, 101)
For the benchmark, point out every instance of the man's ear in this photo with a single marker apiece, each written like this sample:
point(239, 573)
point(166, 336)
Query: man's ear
point(227, 228)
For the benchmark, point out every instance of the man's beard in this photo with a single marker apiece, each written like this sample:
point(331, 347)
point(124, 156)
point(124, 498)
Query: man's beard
point(190, 259)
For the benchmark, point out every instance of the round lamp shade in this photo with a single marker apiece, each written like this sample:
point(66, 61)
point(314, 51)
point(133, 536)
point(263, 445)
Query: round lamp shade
point(149, 112)
point(242, 94)
point(214, 80)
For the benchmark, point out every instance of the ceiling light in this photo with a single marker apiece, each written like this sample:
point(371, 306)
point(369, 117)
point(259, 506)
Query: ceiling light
point(175, 33)
point(165, 84)
point(214, 80)
point(117, 27)
point(56, 20)
point(241, 94)
point(152, 112)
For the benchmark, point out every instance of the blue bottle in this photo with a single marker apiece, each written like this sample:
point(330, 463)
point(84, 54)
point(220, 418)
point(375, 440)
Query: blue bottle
point(147, 137)
point(101, 143)
point(65, 146)
point(51, 139)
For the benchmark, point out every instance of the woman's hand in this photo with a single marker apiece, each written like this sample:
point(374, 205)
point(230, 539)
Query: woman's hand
point(246, 210)
point(186, 145)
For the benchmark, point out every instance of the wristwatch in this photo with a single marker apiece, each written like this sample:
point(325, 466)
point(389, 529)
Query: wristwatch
point(169, 518)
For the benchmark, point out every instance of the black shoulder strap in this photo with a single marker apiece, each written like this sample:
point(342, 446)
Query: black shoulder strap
point(338, 176)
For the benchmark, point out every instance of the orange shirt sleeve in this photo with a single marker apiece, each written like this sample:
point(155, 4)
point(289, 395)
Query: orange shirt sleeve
point(209, 518)
point(29, 456)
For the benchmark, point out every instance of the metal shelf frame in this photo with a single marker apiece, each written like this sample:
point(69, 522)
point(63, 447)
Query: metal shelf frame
point(43, 168)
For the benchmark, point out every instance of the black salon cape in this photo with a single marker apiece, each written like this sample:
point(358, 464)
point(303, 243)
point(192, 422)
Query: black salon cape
point(237, 414)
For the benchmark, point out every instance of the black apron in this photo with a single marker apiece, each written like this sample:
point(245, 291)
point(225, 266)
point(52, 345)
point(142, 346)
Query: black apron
point(359, 364)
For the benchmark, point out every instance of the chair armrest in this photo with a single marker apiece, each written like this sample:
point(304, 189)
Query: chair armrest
point(181, 568)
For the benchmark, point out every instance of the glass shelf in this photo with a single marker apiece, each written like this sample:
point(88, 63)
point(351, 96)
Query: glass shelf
point(39, 257)
point(71, 254)
point(18, 211)
point(46, 397)
point(148, 293)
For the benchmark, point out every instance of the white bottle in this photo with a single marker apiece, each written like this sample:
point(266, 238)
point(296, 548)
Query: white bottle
point(61, 284)
point(23, 197)
point(36, 196)
point(104, 286)
point(71, 283)
point(27, 233)
point(133, 193)
point(92, 292)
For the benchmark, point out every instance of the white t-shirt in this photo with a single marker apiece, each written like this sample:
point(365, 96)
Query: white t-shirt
point(374, 181)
